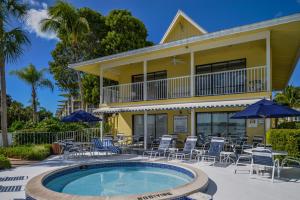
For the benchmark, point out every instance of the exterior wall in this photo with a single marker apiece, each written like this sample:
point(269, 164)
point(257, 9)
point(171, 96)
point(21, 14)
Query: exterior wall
point(254, 52)
point(122, 123)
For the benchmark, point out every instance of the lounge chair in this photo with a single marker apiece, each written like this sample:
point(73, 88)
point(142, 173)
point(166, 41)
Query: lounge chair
point(97, 146)
point(189, 146)
point(261, 159)
point(108, 144)
point(164, 145)
point(213, 153)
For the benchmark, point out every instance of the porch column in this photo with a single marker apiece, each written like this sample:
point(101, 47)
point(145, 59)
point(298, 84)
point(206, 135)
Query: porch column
point(145, 79)
point(72, 104)
point(268, 62)
point(145, 130)
point(101, 86)
point(101, 126)
point(193, 122)
point(192, 75)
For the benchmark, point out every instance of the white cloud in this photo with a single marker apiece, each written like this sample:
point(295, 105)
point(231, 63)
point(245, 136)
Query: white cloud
point(32, 22)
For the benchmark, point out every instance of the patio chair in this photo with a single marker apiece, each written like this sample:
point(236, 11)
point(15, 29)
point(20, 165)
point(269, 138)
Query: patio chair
point(213, 153)
point(164, 145)
point(257, 140)
point(189, 146)
point(69, 149)
point(263, 159)
point(97, 146)
point(108, 144)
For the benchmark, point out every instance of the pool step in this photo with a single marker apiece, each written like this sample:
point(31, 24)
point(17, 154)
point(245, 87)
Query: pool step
point(199, 196)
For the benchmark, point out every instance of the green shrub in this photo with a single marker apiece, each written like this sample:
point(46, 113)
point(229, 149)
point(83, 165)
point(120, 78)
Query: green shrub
point(4, 162)
point(285, 140)
point(289, 125)
point(29, 152)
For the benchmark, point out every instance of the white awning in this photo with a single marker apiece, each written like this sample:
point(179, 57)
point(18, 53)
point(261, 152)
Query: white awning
point(177, 106)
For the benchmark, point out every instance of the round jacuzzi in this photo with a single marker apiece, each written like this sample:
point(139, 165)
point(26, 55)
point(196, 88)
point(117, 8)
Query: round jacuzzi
point(118, 180)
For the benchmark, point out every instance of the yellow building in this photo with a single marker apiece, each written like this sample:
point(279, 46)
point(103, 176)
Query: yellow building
point(193, 81)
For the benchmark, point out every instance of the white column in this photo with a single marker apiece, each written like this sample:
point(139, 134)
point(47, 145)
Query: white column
point(145, 79)
point(101, 126)
point(145, 130)
point(101, 86)
point(192, 74)
point(193, 122)
point(72, 104)
point(268, 62)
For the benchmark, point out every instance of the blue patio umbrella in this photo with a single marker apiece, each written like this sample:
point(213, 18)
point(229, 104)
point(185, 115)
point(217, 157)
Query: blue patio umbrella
point(81, 116)
point(265, 109)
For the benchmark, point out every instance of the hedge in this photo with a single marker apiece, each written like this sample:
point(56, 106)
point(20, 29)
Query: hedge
point(4, 162)
point(29, 152)
point(285, 140)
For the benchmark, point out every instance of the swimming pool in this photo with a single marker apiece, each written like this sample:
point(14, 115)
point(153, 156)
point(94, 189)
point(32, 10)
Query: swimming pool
point(129, 180)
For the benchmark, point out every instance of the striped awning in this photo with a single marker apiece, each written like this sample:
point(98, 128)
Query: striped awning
point(177, 106)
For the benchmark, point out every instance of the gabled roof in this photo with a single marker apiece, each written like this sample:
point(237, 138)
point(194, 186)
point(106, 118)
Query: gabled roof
point(181, 14)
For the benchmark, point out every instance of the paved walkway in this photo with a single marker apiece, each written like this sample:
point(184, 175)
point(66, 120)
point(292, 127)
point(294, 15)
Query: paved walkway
point(223, 185)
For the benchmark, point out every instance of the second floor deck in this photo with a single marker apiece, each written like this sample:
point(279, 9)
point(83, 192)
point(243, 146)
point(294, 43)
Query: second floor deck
point(246, 80)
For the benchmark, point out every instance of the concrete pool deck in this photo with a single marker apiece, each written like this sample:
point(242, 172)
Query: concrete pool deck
point(223, 183)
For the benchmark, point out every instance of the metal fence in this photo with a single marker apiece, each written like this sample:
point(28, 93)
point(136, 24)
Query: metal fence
point(26, 138)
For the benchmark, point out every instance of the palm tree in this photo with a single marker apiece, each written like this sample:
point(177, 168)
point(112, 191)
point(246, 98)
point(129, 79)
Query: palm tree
point(290, 96)
point(65, 20)
point(11, 43)
point(35, 78)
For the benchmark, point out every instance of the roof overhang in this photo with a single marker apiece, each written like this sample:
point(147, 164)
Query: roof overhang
point(207, 104)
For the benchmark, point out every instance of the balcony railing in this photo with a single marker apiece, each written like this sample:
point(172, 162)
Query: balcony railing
point(209, 84)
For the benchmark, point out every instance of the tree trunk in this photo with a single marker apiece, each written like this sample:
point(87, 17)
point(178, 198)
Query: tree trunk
point(80, 91)
point(3, 104)
point(76, 59)
point(34, 106)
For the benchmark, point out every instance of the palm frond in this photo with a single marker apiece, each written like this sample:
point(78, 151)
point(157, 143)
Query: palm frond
point(12, 44)
point(46, 83)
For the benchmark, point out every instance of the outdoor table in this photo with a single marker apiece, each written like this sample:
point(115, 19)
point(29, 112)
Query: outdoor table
point(84, 147)
point(274, 152)
point(227, 156)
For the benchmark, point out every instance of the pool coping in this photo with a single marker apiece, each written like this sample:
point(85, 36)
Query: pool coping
point(35, 190)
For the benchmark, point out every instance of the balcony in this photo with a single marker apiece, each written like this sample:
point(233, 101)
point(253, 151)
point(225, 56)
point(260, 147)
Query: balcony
point(239, 81)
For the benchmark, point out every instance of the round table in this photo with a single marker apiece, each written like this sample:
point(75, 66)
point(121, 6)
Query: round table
point(274, 152)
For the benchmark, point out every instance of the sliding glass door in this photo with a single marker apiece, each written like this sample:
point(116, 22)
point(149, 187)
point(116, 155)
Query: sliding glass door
point(157, 125)
point(219, 124)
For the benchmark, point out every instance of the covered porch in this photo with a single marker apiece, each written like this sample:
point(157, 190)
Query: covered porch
point(202, 119)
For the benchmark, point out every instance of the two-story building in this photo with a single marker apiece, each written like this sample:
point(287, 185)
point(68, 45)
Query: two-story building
point(193, 81)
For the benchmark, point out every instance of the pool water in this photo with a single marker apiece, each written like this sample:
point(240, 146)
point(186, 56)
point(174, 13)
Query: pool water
point(124, 180)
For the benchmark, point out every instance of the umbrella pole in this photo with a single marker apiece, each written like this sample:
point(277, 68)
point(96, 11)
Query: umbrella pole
point(265, 131)
point(101, 127)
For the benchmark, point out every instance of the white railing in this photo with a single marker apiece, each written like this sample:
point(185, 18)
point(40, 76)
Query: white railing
point(217, 83)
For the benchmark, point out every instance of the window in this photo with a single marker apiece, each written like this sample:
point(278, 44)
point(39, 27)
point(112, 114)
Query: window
point(219, 124)
point(157, 125)
point(209, 82)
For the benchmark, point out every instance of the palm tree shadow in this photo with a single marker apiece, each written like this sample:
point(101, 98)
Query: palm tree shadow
point(211, 188)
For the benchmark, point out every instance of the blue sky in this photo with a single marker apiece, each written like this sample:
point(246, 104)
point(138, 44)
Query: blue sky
point(212, 15)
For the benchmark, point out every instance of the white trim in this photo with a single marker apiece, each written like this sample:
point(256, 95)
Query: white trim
point(184, 42)
point(182, 14)
point(177, 106)
point(101, 86)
